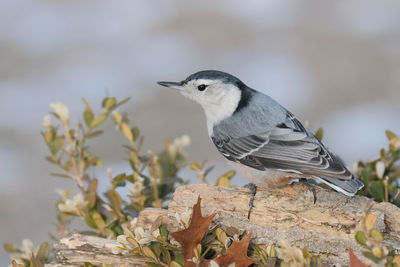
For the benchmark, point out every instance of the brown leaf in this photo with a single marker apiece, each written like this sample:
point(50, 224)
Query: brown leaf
point(354, 261)
point(236, 253)
point(192, 236)
point(35, 262)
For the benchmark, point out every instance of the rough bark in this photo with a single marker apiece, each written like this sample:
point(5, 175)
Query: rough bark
point(326, 228)
point(77, 249)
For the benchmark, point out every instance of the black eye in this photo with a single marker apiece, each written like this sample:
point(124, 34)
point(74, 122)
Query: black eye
point(202, 87)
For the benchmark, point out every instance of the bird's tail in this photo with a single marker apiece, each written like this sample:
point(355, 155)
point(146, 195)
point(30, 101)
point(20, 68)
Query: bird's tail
point(347, 187)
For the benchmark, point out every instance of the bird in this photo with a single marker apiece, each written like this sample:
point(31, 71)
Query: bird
point(261, 139)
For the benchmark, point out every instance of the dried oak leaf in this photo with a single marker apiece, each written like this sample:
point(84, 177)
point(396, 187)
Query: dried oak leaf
point(192, 236)
point(354, 261)
point(236, 253)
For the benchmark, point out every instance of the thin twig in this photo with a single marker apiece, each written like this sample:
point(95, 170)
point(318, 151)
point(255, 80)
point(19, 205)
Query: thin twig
point(77, 176)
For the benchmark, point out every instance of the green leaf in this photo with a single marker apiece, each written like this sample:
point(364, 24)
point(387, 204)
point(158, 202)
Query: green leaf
point(90, 222)
point(371, 256)
point(43, 252)
point(156, 248)
point(376, 235)
point(179, 259)
point(119, 180)
point(109, 103)
point(163, 230)
point(51, 160)
point(377, 190)
point(135, 132)
point(116, 201)
point(57, 144)
point(319, 133)
point(390, 135)
point(98, 220)
point(97, 121)
point(166, 255)
point(94, 134)
point(361, 238)
point(60, 175)
point(123, 101)
point(91, 195)
point(88, 116)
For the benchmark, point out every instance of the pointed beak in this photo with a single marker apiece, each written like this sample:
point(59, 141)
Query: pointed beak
point(175, 85)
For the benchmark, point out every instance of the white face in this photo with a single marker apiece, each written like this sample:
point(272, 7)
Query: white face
point(219, 100)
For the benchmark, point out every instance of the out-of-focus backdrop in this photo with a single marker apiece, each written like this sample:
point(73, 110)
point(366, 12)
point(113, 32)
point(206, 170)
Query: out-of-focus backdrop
point(335, 64)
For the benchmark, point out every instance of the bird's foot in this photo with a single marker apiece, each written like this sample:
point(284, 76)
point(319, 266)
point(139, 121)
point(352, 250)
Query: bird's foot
point(253, 191)
point(310, 187)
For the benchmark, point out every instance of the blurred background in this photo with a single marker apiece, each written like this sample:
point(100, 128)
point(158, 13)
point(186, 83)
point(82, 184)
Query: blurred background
point(335, 64)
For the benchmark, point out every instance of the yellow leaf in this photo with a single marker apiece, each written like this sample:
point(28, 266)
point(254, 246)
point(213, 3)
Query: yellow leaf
point(126, 131)
point(149, 253)
point(195, 166)
point(221, 235)
point(97, 121)
point(117, 117)
point(98, 221)
point(133, 242)
point(175, 264)
point(319, 134)
point(369, 221)
point(48, 136)
point(271, 251)
point(224, 180)
point(377, 252)
point(109, 102)
point(376, 235)
point(127, 231)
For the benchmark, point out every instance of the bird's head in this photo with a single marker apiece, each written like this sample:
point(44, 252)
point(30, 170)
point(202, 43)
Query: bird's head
point(219, 93)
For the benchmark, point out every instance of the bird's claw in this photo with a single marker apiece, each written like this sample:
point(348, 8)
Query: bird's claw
point(253, 191)
point(310, 187)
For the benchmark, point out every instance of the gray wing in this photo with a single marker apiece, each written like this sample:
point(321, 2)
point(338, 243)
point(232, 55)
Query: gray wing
point(287, 147)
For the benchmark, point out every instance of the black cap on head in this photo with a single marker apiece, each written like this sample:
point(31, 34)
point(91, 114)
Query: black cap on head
point(215, 75)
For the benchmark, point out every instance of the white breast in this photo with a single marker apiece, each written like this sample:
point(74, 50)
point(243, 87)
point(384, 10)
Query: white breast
point(221, 106)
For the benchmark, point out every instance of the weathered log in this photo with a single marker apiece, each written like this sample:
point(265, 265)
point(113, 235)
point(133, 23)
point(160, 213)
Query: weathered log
point(326, 228)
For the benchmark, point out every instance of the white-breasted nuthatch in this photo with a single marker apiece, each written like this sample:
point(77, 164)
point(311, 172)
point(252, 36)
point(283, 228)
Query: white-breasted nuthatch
point(259, 137)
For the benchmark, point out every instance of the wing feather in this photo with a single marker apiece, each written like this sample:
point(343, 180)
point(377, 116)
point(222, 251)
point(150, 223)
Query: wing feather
point(288, 147)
